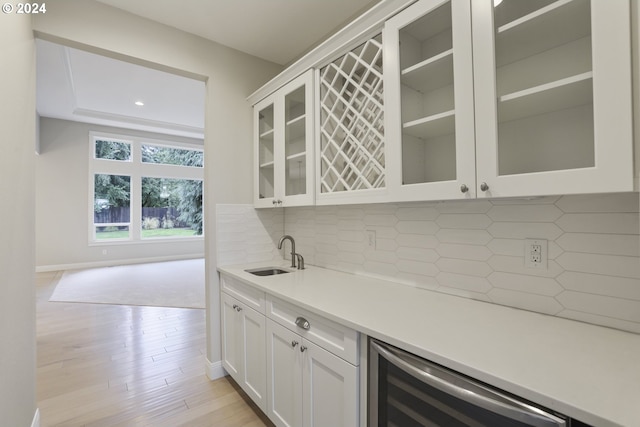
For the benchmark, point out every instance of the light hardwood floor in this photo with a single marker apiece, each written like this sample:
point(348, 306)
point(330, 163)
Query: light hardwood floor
point(115, 365)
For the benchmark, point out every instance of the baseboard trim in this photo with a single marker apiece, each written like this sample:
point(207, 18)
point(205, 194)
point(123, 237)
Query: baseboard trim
point(214, 369)
point(36, 418)
point(115, 262)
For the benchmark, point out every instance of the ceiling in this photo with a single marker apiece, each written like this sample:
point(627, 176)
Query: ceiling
point(85, 87)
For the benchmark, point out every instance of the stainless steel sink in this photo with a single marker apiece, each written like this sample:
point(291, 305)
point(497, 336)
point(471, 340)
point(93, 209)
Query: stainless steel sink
point(267, 271)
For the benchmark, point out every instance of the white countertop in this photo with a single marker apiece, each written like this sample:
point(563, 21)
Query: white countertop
point(588, 372)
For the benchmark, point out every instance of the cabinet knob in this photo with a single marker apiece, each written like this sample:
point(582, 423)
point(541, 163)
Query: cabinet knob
point(294, 343)
point(464, 188)
point(238, 308)
point(235, 306)
point(484, 186)
point(302, 349)
point(303, 323)
point(274, 202)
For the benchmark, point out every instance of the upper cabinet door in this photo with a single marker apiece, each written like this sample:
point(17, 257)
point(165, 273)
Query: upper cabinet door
point(553, 97)
point(429, 101)
point(283, 132)
point(351, 159)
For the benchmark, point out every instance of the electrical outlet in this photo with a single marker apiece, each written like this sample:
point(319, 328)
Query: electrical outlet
point(535, 253)
point(371, 238)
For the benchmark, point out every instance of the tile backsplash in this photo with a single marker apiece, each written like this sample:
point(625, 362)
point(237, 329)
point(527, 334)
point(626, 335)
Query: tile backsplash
point(475, 249)
point(245, 234)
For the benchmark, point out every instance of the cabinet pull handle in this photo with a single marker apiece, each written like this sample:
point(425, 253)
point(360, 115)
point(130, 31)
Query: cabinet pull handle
point(294, 343)
point(464, 188)
point(484, 186)
point(303, 323)
point(302, 349)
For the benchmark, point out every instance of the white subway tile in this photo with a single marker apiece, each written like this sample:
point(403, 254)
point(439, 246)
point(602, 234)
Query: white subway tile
point(616, 308)
point(470, 237)
point(611, 265)
point(417, 254)
point(525, 230)
point(463, 266)
point(386, 244)
point(523, 283)
point(356, 258)
point(416, 241)
point(511, 247)
point(380, 220)
point(465, 221)
point(350, 246)
point(525, 213)
point(384, 232)
point(471, 252)
point(464, 282)
point(613, 223)
point(380, 269)
point(464, 206)
point(608, 244)
point(619, 287)
point(414, 213)
point(351, 236)
point(417, 267)
point(417, 227)
point(389, 257)
point(515, 264)
point(350, 224)
point(525, 301)
point(615, 202)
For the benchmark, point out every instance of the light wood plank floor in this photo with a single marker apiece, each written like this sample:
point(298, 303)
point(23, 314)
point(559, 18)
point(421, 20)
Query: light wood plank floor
point(115, 365)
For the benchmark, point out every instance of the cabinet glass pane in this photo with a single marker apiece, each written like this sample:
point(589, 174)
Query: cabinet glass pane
point(295, 142)
point(352, 121)
point(265, 153)
point(427, 93)
point(544, 82)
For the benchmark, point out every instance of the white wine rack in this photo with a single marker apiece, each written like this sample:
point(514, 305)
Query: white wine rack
point(351, 155)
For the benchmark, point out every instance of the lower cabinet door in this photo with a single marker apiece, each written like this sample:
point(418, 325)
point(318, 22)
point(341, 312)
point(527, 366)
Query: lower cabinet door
point(284, 376)
point(330, 389)
point(254, 368)
point(231, 337)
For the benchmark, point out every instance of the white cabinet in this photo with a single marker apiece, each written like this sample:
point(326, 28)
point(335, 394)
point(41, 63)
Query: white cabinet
point(308, 385)
point(283, 133)
point(244, 347)
point(553, 97)
point(521, 99)
point(351, 158)
point(429, 101)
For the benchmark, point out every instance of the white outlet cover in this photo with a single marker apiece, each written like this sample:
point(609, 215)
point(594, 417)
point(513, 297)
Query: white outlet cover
point(530, 254)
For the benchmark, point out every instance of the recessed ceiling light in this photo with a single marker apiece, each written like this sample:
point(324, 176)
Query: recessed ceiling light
point(139, 103)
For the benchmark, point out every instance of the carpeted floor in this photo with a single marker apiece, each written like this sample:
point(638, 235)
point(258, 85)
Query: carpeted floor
point(162, 284)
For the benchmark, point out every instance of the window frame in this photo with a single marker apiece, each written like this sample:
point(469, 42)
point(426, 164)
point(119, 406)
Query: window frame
point(136, 169)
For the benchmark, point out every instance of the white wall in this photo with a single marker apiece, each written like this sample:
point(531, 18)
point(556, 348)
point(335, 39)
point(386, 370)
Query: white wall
point(230, 77)
point(17, 288)
point(62, 193)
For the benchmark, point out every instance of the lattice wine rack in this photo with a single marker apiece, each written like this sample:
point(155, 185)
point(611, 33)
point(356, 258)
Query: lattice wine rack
point(351, 121)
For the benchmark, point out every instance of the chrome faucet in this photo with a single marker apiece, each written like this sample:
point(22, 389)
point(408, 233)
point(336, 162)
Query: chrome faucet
point(294, 255)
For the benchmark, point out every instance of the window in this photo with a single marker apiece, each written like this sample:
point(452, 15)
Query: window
point(144, 190)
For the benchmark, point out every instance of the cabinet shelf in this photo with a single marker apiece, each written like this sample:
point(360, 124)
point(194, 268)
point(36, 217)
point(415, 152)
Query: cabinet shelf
point(431, 126)
point(430, 74)
point(296, 128)
point(297, 156)
point(558, 23)
point(267, 165)
point(267, 135)
point(558, 95)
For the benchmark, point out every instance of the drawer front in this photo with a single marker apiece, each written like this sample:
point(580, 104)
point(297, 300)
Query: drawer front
point(333, 337)
point(243, 293)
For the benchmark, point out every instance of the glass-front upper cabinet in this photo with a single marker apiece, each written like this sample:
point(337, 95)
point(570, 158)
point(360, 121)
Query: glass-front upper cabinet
point(553, 97)
point(283, 132)
point(429, 101)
